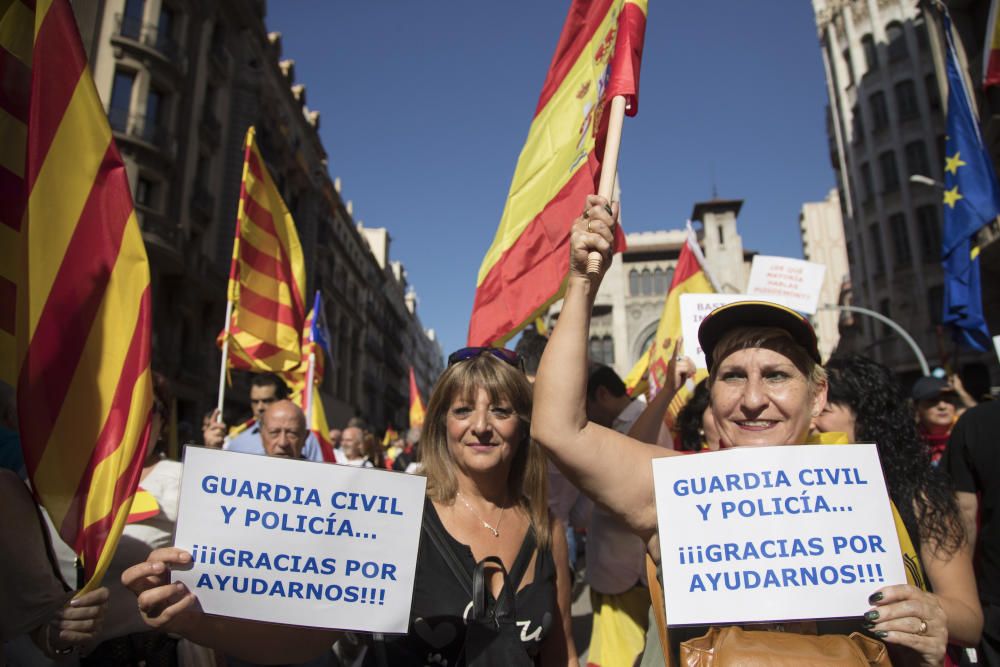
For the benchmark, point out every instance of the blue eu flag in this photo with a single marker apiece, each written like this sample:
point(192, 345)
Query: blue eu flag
point(971, 200)
point(320, 332)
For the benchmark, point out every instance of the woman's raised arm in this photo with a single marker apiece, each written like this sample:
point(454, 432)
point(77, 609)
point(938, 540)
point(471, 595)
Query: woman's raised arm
point(611, 468)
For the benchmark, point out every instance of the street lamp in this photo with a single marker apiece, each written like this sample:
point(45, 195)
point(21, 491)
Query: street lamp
point(924, 367)
point(920, 179)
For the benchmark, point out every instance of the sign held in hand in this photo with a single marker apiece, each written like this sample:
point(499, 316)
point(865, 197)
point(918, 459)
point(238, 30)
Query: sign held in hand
point(774, 533)
point(299, 543)
point(794, 283)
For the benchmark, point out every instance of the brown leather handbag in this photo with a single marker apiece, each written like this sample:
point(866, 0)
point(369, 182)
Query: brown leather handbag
point(722, 647)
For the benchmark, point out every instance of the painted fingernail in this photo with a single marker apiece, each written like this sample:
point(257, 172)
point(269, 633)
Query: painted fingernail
point(867, 625)
point(871, 615)
point(875, 597)
point(881, 634)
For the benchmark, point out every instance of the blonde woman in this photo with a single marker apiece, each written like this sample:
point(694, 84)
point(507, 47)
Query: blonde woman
point(485, 497)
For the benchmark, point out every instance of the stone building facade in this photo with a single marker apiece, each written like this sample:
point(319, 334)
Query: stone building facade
point(886, 124)
point(182, 81)
point(822, 228)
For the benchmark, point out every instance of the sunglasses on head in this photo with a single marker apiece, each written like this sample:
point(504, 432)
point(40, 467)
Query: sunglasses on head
point(503, 354)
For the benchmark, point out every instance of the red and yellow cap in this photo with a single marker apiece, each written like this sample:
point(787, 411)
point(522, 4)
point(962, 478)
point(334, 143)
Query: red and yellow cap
point(756, 314)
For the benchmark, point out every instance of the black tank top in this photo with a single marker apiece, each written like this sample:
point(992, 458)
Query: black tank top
point(440, 605)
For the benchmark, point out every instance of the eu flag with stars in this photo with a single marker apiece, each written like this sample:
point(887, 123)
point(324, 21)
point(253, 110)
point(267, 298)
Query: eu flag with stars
point(971, 200)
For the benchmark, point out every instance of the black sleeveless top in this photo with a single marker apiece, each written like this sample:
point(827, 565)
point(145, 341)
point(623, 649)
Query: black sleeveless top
point(440, 604)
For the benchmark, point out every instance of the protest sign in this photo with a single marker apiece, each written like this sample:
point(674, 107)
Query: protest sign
point(694, 308)
point(794, 283)
point(299, 543)
point(774, 533)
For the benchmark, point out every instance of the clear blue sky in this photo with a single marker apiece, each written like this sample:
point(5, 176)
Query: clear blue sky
point(426, 105)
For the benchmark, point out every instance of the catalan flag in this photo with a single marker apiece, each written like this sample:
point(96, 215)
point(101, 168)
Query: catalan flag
point(267, 275)
point(314, 347)
point(596, 59)
point(971, 200)
point(82, 318)
point(417, 410)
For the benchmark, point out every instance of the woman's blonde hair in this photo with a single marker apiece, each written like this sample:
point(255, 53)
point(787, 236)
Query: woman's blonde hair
point(527, 481)
point(772, 338)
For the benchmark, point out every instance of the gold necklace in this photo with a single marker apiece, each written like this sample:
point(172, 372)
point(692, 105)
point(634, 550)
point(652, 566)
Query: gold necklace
point(495, 531)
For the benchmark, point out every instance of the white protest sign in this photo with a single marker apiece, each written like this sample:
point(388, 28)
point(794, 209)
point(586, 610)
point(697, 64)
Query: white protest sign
point(794, 283)
point(299, 543)
point(774, 533)
point(694, 308)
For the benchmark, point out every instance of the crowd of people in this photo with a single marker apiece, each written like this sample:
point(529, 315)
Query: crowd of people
point(539, 481)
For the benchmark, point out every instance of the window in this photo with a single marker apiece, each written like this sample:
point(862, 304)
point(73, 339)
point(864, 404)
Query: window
point(871, 53)
point(916, 158)
point(867, 185)
point(857, 125)
point(923, 40)
point(121, 100)
point(877, 256)
point(596, 350)
point(880, 113)
point(608, 346)
point(145, 192)
point(668, 278)
point(722, 237)
point(132, 18)
point(849, 247)
point(933, 94)
point(647, 282)
point(602, 350)
point(883, 307)
point(849, 66)
point(906, 100)
point(935, 303)
point(633, 283)
point(165, 31)
point(930, 232)
point(900, 240)
point(890, 174)
point(659, 287)
point(897, 42)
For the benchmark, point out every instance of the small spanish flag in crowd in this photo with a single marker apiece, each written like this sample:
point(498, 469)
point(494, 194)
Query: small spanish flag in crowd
point(416, 402)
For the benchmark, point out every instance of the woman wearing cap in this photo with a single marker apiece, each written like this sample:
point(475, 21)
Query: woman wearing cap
point(766, 385)
point(865, 402)
point(485, 498)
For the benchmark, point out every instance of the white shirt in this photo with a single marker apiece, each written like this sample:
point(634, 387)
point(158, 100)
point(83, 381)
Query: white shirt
point(616, 557)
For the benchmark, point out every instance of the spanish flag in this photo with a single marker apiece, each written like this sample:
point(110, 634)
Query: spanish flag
point(416, 403)
point(267, 277)
point(82, 317)
point(597, 58)
point(690, 277)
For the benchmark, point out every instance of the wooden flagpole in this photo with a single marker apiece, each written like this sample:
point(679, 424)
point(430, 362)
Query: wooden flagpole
point(609, 167)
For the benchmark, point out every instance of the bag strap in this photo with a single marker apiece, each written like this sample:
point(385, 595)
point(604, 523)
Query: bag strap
point(504, 604)
point(659, 609)
point(520, 564)
point(432, 527)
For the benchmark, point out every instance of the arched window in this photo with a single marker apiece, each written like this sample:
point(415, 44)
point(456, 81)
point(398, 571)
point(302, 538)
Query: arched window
point(633, 282)
point(658, 285)
point(608, 348)
point(668, 278)
point(647, 282)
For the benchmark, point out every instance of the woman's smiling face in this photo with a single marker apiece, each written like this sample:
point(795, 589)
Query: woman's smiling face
point(483, 436)
point(760, 397)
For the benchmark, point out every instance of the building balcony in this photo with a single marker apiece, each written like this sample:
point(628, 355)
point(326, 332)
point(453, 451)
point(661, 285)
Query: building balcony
point(135, 130)
point(146, 40)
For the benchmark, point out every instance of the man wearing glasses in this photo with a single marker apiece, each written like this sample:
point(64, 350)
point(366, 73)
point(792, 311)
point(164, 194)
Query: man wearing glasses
point(265, 389)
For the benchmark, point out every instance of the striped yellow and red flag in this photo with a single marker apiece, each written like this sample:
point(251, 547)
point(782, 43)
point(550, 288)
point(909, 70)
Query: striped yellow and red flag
point(267, 276)
point(417, 410)
point(83, 291)
point(597, 58)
